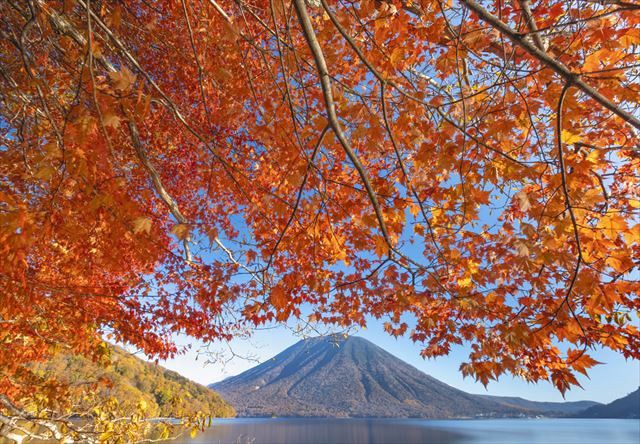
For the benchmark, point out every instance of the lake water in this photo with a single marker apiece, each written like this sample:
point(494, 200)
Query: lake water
point(418, 431)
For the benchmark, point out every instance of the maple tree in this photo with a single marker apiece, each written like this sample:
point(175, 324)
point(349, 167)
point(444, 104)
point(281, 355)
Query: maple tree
point(467, 169)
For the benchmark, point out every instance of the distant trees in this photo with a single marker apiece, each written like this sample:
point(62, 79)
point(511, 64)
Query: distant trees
point(123, 386)
point(205, 167)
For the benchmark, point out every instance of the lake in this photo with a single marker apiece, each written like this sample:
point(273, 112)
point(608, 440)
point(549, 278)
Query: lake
point(414, 431)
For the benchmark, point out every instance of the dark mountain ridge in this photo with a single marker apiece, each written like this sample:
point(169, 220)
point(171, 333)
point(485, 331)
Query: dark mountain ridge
point(351, 377)
point(548, 408)
point(625, 407)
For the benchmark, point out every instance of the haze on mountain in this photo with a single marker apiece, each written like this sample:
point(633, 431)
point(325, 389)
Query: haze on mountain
point(335, 376)
point(548, 408)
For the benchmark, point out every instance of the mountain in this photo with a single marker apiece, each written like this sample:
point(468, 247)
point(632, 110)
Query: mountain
point(165, 393)
point(548, 408)
point(626, 407)
point(350, 377)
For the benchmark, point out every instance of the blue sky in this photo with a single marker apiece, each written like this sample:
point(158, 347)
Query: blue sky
point(615, 378)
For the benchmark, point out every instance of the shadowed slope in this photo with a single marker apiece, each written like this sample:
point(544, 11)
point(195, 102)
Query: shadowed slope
point(625, 407)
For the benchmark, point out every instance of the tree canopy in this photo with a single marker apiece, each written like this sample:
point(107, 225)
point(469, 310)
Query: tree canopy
point(130, 379)
point(466, 169)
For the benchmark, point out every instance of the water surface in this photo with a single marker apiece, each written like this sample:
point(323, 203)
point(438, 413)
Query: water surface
point(419, 431)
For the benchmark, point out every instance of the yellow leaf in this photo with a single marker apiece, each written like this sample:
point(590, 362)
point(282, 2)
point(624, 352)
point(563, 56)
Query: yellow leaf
point(123, 79)
point(633, 235)
point(632, 37)
point(414, 209)
point(594, 156)
point(181, 231)
point(111, 120)
point(142, 224)
point(568, 137)
point(613, 224)
point(436, 214)
point(523, 200)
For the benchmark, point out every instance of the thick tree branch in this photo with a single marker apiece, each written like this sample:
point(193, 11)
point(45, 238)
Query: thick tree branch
point(220, 11)
point(158, 185)
point(325, 81)
point(386, 81)
point(557, 66)
point(531, 23)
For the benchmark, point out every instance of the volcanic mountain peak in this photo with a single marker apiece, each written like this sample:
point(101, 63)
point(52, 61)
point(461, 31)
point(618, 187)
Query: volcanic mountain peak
point(348, 376)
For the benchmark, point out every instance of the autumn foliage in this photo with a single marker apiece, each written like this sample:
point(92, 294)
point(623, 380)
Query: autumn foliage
point(467, 169)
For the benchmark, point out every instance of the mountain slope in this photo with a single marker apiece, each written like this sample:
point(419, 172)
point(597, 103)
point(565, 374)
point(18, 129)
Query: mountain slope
point(557, 408)
point(339, 377)
point(626, 407)
point(165, 393)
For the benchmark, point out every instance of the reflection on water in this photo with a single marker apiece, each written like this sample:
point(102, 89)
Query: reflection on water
point(417, 431)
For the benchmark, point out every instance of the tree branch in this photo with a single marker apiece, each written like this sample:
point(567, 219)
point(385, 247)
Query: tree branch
point(159, 187)
point(550, 62)
point(325, 81)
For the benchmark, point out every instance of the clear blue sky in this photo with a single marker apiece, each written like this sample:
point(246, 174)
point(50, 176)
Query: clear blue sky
point(615, 378)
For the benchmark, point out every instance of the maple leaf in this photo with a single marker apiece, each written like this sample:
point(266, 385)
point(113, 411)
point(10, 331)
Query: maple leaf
point(123, 80)
point(278, 297)
point(381, 247)
point(111, 120)
point(581, 361)
point(465, 282)
point(142, 224)
point(522, 249)
point(45, 172)
point(570, 138)
point(523, 200)
point(612, 224)
point(181, 231)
